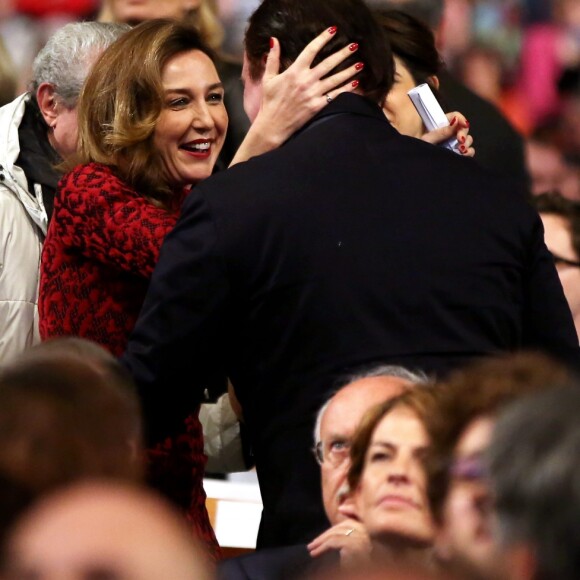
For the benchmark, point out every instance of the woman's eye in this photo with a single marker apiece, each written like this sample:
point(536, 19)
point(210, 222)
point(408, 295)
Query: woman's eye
point(215, 97)
point(177, 103)
point(379, 456)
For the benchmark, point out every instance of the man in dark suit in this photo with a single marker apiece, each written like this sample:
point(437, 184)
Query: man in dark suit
point(499, 147)
point(349, 244)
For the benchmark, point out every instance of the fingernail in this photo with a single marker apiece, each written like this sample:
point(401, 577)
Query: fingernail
point(359, 65)
point(332, 30)
point(354, 84)
point(467, 123)
point(271, 43)
point(352, 47)
point(462, 139)
point(462, 149)
point(453, 121)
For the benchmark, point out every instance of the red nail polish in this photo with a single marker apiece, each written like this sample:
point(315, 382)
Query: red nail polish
point(453, 121)
point(352, 47)
point(467, 123)
point(462, 139)
point(271, 43)
point(462, 149)
point(332, 30)
point(354, 84)
point(359, 65)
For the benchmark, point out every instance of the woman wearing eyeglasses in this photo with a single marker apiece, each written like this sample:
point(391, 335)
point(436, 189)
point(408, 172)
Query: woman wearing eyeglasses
point(561, 219)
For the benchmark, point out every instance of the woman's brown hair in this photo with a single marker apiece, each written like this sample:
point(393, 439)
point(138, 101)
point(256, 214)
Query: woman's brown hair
point(417, 400)
point(122, 100)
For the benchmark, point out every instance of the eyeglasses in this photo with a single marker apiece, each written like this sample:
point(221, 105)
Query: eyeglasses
point(333, 452)
point(564, 261)
point(470, 468)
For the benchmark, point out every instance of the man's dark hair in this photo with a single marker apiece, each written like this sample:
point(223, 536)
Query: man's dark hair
point(535, 477)
point(296, 22)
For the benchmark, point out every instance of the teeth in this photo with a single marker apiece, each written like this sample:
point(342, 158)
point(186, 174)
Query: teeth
point(198, 146)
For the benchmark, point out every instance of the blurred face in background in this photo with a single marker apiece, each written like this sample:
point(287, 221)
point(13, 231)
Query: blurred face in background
point(465, 537)
point(549, 171)
point(106, 532)
point(558, 238)
point(135, 11)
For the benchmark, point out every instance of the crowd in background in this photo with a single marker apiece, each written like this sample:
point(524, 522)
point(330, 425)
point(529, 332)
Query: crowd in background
point(521, 55)
point(476, 513)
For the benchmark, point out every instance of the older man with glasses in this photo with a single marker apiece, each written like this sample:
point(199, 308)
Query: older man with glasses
point(335, 427)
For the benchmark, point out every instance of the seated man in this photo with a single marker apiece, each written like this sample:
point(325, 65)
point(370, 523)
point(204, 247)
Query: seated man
point(336, 424)
point(39, 131)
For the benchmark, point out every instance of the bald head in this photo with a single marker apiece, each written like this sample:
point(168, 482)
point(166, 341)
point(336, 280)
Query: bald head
point(104, 530)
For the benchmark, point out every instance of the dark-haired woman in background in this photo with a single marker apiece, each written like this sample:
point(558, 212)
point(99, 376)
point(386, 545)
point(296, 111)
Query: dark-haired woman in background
point(417, 61)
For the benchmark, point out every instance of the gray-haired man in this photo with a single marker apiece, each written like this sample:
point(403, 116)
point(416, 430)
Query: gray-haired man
point(39, 130)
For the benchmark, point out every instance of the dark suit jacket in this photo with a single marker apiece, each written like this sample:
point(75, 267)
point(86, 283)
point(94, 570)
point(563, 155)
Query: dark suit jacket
point(348, 245)
point(286, 563)
point(498, 146)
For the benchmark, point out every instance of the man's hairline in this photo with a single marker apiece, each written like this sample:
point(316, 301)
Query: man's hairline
point(395, 373)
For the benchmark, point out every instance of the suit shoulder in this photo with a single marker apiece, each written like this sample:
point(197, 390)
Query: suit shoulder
point(272, 564)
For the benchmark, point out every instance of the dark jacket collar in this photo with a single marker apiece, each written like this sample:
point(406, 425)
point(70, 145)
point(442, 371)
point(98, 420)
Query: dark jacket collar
point(351, 104)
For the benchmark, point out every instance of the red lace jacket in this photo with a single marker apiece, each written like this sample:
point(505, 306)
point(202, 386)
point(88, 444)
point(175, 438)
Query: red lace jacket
point(100, 250)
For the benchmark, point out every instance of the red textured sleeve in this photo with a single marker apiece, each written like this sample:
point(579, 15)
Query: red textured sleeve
point(106, 220)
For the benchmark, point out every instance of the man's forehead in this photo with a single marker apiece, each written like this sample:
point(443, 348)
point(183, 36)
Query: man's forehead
point(349, 405)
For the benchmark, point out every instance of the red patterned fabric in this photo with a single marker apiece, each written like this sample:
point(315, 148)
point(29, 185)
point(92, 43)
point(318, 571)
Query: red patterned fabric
point(57, 7)
point(102, 245)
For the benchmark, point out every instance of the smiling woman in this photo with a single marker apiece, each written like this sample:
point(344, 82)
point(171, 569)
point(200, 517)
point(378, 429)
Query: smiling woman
point(151, 125)
point(191, 128)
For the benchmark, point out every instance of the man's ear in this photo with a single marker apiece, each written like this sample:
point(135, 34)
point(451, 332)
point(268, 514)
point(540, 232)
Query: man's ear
point(47, 103)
